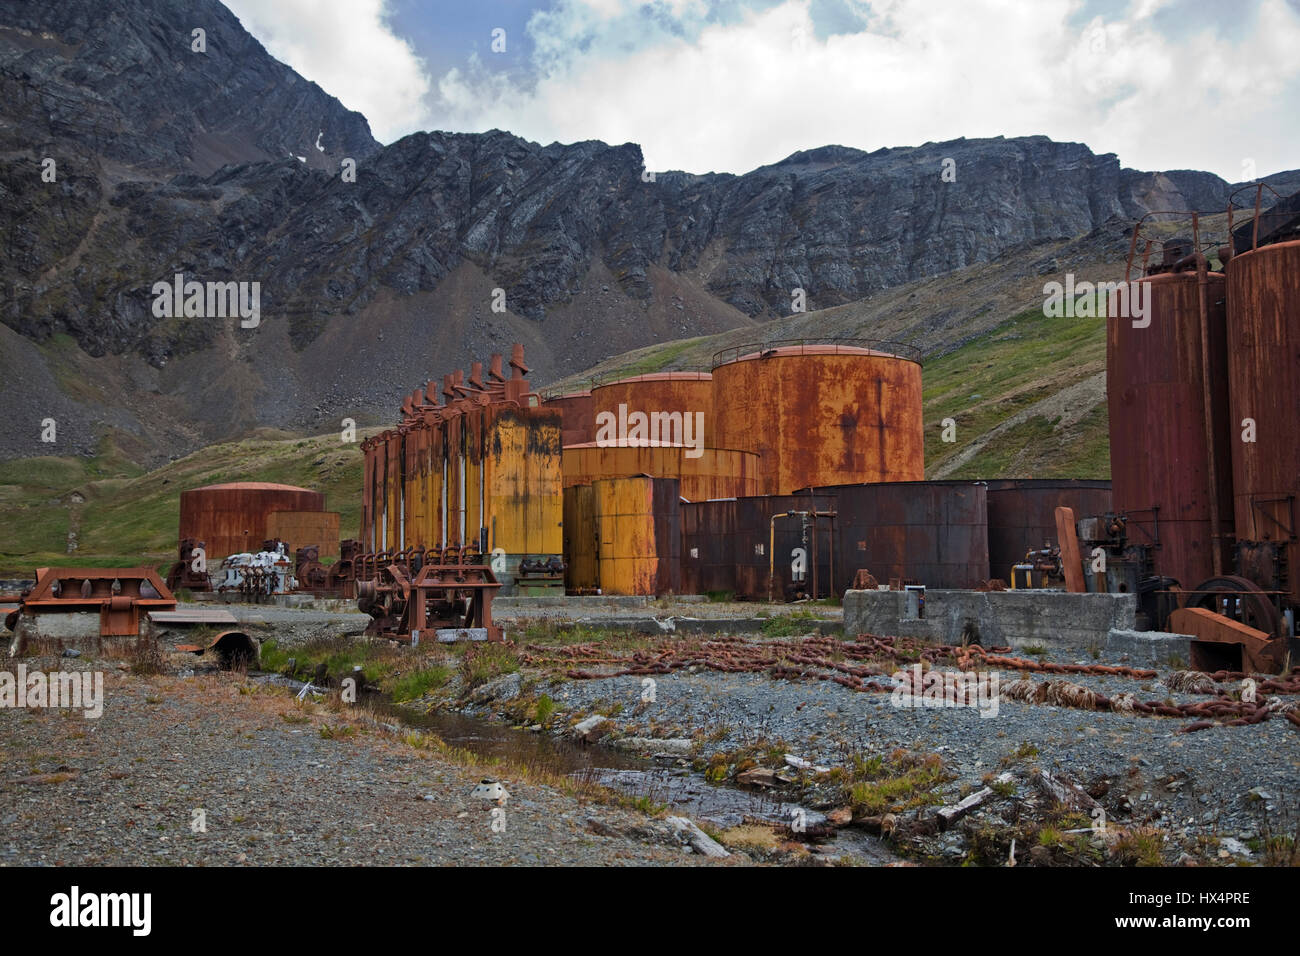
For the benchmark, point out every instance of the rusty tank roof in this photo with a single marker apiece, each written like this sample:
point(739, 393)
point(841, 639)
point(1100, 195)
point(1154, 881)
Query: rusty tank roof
point(252, 486)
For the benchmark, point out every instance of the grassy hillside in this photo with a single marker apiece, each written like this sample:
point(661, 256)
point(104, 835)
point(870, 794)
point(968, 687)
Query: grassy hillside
point(125, 517)
point(1028, 400)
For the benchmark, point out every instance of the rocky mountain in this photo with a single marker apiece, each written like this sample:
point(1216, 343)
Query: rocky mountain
point(225, 165)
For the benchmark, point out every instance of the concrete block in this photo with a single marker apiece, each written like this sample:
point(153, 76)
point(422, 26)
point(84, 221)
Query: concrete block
point(1149, 648)
point(1067, 625)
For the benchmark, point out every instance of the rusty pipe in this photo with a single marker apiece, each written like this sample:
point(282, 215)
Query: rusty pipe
point(1202, 293)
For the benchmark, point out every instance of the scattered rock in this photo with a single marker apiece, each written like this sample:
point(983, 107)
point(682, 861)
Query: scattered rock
point(700, 841)
point(840, 817)
point(757, 777)
point(592, 728)
point(499, 689)
point(674, 746)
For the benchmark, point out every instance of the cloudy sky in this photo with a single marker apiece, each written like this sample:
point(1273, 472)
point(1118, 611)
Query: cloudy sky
point(731, 85)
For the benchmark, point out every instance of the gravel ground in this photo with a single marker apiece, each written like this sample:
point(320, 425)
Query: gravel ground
point(121, 789)
point(663, 609)
point(1197, 788)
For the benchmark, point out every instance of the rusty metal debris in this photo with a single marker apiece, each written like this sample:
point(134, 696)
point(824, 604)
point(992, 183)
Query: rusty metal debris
point(867, 663)
point(118, 595)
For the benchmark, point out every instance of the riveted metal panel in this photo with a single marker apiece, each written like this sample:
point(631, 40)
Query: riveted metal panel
point(715, 473)
point(932, 532)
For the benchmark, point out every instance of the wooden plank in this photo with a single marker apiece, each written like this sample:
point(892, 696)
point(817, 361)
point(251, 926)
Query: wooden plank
point(1067, 534)
point(950, 815)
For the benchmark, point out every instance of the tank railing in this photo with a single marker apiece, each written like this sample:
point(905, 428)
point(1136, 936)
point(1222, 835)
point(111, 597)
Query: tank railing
point(608, 378)
point(1208, 246)
point(898, 349)
point(1258, 188)
point(618, 375)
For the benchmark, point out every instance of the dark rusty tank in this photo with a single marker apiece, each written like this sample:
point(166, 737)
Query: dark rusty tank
point(1022, 515)
point(1263, 288)
point(1167, 395)
point(933, 533)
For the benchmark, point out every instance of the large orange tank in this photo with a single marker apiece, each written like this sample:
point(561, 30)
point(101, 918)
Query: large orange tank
point(1164, 472)
point(1264, 378)
point(821, 414)
point(576, 415)
point(233, 518)
point(667, 398)
point(715, 473)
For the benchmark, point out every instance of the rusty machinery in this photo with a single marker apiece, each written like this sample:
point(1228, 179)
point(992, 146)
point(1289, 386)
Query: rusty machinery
point(183, 573)
point(326, 580)
point(541, 576)
point(803, 565)
point(1204, 527)
point(1039, 568)
point(118, 595)
point(417, 594)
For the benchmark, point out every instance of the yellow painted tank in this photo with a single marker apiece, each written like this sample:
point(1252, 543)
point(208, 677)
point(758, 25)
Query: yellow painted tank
point(822, 414)
point(581, 539)
point(639, 535)
point(715, 473)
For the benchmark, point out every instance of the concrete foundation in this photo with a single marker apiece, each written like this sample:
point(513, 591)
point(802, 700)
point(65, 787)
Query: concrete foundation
point(77, 630)
point(1063, 623)
point(1149, 648)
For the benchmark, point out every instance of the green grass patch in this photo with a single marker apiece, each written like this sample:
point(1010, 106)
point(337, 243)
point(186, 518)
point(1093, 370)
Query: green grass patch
point(420, 683)
point(483, 662)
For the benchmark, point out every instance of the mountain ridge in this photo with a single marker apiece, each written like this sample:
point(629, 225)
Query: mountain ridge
point(186, 162)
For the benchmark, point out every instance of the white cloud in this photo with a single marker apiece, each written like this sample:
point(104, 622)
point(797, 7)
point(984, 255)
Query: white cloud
point(733, 96)
point(347, 48)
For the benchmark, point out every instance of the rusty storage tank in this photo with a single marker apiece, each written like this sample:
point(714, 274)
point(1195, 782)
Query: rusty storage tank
point(928, 532)
point(639, 535)
point(1022, 514)
point(661, 397)
point(233, 518)
point(822, 414)
point(703, 473)
point(576, 416)
point(1172, 480)
point(1264, 382)
point(708, 562)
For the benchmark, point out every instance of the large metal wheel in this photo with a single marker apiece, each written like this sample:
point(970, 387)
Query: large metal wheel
point(1240, 599)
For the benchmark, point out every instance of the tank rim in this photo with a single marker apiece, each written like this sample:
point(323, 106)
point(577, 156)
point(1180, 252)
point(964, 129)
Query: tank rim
point(786, 348)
